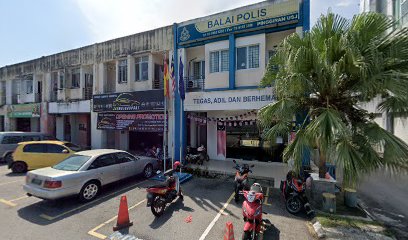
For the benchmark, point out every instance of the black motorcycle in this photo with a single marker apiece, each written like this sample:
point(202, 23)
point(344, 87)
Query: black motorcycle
point(197, 157)
point(241, 178)
point(293, 191)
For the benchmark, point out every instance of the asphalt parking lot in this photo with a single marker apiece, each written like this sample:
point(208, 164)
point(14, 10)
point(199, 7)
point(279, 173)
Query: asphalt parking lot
point(208, 203)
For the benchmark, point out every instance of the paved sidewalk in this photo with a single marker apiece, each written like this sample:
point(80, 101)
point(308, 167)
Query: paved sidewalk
point(270, 171)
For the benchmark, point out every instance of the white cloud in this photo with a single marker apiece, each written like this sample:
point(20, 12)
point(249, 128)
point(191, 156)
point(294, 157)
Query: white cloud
point(110, 19)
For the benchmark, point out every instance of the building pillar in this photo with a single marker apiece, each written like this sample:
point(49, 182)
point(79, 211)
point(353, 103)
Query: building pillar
point(232, 61)
point(193, 134)
point(98, 139)
point(177, 100)
point(59, 126)
point(9, 123)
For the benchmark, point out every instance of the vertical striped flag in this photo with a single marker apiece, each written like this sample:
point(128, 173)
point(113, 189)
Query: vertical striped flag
point(166, 79)
point(173, 79)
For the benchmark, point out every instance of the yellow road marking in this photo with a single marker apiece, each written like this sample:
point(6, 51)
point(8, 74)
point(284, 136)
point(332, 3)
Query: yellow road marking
point(101, 236)
point(50, 218)
point(7, 202)
point(9, 182)
point(205, 233)
point(16, 199)
point(267, 196)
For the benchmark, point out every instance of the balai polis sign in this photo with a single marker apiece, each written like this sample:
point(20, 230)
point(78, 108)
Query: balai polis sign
point(269, 15)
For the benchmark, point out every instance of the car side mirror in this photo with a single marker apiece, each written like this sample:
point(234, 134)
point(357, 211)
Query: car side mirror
point(65, 151)
point(234, 161)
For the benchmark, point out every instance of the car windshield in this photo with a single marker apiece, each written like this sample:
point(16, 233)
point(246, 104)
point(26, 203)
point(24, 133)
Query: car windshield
point(72, 163)
point(72, 146)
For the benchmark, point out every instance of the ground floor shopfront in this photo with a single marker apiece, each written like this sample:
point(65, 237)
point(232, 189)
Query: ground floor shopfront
point(226, 123)
point(72, 122)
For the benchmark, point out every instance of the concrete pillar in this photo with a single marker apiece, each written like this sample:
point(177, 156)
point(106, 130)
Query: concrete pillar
point(98, 139)
point(193, 134)
point(9, 91)
point(9, 124)
point(74, 128)
point(47, 87)
point(59, 126)
point(124, 140)
point(131, 72)
point(35, 124)
point(299, 31)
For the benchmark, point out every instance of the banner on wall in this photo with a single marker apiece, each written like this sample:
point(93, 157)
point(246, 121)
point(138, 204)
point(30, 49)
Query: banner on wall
point(30, 110)
point(152, 100)
point(221, 140)
point(139, 122)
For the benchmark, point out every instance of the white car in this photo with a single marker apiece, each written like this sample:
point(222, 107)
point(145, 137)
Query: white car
point(84, 173)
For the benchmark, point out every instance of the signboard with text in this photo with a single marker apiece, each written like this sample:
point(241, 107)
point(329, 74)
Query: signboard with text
point(29, 110)
point(270, 15)
point(139, 122)
point(228, 100)
point(152, 100)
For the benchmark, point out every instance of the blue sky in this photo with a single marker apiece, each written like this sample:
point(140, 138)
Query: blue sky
point(31, 29)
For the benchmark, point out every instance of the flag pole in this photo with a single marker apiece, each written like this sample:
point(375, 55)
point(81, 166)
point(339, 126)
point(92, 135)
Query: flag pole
point(165, 111)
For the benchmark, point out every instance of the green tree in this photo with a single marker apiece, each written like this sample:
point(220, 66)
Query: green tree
point(327, 73)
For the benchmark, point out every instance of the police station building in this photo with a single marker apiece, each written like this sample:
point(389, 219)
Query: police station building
point(224, 57)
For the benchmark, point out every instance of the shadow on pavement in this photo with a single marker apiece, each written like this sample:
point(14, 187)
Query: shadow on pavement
point(66, 207)
point(11, 174)
point(176, 206)
point(272, 233)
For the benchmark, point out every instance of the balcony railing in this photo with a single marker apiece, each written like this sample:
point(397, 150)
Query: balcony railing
point(87, 93)
point(158, 84)
point(195, 83)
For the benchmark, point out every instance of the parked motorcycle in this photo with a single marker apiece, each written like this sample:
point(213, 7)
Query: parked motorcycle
point(293, 191)
point(241, 178)
point(197, 158)
point(252, 213)
point(158, 196)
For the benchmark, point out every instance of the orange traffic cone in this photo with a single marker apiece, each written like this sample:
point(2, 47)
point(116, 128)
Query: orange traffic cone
point(229, 231)
point(123, 215)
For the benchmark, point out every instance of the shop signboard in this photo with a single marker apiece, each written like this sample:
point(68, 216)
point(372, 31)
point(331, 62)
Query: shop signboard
point(29, 110)
point(152, 100)
point(228, 100)
point(140, 122)
point(242, 19)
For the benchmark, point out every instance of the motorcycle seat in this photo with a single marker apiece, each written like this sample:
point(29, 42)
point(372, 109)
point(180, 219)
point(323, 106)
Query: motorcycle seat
point(162, 185)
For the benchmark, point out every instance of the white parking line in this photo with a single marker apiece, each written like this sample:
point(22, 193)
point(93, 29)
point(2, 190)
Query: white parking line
point(216, 217)
point(50, 218)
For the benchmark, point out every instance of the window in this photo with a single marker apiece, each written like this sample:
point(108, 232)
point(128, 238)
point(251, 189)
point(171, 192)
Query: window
point(73, 146)
point(272, 53)
point(103, 161)
point(11, 139)
point(72, 163)
point(199, 70)
point(214, 62)
point(248, 57)
point(29, 86)
point(75, 78)
point(61, 80)
point(53, 148)
point(122, 71)
point(123, 157)
point(142, 68)
point(31, 138)
point(219, 61)
point(35, 148)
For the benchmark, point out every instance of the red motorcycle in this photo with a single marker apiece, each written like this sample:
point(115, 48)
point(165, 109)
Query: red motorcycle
point(158, 196)
point(241, 178)
point(252, 212)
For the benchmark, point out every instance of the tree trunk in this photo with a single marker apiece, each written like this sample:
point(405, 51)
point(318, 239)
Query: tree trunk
point(322, 164)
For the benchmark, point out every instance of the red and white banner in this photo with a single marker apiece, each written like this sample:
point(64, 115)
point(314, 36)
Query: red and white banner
point(221, 140)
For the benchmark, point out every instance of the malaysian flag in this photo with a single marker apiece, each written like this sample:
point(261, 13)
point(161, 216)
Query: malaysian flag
point(181, 80)
point(173, 79)
point(221, 140)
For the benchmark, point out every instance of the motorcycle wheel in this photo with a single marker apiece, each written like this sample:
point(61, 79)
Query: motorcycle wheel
point(293, 205)
point(247, 235)
point(158, 206)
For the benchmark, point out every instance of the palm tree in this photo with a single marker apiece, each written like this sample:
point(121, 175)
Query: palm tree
point(327, 73)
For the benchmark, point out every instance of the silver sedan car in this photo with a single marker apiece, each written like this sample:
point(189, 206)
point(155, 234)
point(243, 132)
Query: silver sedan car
point(84, 173)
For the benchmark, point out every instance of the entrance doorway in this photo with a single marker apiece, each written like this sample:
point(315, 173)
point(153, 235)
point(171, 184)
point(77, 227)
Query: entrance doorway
point(140, 141)
point(23, 124)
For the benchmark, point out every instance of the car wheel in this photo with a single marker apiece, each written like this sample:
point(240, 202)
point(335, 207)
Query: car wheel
point(8, 158)
point(89, 191)
point(19, 167)
point(148, 171)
